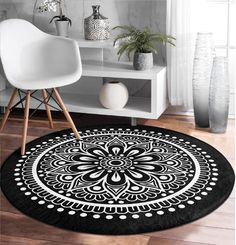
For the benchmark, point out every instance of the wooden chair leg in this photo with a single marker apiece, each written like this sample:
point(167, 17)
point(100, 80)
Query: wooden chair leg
point(66, 113)
point(26, 120)
point(6, 115)
point(45, 97)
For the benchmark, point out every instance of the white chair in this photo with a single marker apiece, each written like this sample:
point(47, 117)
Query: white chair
point(34, 60)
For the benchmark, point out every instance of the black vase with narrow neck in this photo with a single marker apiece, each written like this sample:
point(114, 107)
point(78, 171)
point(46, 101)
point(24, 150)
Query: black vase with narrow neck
point(96, 13)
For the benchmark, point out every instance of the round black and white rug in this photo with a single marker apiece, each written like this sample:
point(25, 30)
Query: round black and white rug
point(117, 180)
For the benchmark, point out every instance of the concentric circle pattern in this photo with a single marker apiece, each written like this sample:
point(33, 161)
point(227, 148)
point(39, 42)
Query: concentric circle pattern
point(130, 179)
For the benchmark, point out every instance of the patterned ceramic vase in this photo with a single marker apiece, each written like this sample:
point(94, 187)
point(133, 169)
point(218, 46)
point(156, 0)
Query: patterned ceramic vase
point(219, 96)
point(203, 60)
point(96, 26)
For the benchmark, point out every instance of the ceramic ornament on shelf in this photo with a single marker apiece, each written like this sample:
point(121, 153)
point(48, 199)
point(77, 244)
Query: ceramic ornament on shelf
point(96, 26)
point(114, 95)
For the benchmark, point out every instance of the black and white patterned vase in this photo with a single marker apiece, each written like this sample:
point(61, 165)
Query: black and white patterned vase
point(96, 26)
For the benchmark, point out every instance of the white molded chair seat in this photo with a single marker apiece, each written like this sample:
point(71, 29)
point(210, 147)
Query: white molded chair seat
point(34, 60)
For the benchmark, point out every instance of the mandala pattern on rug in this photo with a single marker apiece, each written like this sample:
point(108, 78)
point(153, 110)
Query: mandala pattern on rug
point(122, 172)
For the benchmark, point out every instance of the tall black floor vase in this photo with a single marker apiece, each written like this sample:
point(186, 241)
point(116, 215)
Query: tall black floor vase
point(203, 60)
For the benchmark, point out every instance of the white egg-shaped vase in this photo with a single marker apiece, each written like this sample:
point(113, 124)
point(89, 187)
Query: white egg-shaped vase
point(114, 95)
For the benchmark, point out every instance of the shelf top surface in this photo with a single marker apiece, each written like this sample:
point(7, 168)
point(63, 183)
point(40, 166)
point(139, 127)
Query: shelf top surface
point(83, 43)
point(90, 43)
point(117, 69)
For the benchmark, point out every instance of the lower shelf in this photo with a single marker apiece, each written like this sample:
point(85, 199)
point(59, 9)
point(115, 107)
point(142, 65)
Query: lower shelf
point(138, 107)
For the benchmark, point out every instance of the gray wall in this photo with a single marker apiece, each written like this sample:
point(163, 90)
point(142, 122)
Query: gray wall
point(140, 13)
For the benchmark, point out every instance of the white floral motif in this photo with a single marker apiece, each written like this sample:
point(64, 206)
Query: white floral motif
point(117, 170)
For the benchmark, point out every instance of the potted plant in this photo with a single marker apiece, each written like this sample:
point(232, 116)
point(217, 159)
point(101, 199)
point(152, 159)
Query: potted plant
point(61, 21)
point(141, 42)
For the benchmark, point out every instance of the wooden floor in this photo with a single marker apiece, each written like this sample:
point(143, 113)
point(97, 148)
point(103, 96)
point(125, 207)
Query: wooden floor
point(18, 229)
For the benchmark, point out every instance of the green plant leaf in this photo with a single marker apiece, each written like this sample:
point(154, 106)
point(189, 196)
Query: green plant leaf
point(120, 37)
point(123, 48)
point(54, 17)
point(61, 18)
point(130, 49)
point(141, 41)
point(151, 48)
point(125, 27)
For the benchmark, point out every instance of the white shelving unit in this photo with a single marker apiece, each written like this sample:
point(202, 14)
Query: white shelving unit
point(94, 66)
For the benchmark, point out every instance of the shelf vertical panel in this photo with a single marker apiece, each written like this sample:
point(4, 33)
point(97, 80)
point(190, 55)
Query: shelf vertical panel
point(159, 96)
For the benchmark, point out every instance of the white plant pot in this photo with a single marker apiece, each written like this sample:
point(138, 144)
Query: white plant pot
point(62, 27)
point(114, 95)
